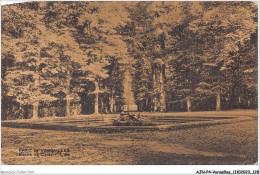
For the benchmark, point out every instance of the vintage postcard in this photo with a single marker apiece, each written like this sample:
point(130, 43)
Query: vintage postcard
point(130, 83)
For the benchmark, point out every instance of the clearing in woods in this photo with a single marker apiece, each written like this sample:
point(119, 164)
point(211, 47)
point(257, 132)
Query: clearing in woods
point(225, 137)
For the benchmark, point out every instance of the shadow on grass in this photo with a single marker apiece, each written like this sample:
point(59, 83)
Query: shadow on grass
point(161, 158)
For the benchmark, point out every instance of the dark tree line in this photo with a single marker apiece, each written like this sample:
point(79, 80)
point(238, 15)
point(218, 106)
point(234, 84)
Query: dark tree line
point(70, 58)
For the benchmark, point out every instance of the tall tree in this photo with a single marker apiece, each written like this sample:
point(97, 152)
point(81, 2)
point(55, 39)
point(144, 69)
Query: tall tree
point(224, 30)
point(25, 79)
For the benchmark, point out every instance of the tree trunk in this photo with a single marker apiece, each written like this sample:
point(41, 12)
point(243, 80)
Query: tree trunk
point(163, 102)
point(102, 106)
point(112, 104)
point(155, 104)
point(35, 109)
point(53, 111)
point(162, 92)
point(154, 89)
point(146, 104)
point(249, 103)
point(112, 107)
point(68, 106)
point(37, 80)
point(68, 95)
point(36, 102)
point(104, 103)
point(239, 102)
point(218, 102)
point(188, 104)
point(96, 98)
point(118, 108)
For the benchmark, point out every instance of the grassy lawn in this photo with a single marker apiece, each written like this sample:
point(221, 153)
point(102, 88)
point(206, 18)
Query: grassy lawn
point(234, 143)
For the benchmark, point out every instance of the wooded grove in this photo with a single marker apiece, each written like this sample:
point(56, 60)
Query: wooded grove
point(70, 58)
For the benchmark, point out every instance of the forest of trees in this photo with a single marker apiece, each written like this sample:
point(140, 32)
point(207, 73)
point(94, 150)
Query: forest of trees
point(69, 58)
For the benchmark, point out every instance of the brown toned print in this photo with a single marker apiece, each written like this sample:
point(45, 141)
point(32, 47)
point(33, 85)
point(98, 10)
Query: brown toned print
point(137, 83)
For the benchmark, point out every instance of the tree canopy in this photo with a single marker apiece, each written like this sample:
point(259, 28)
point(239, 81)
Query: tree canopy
point(62, 57)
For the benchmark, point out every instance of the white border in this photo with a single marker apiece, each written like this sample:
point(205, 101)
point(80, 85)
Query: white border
point(126, 169)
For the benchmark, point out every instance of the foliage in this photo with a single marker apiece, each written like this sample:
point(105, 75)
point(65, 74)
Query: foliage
point(57, 51)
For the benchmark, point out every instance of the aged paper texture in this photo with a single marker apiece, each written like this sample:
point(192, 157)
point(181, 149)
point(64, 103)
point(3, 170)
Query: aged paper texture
point(129, 83)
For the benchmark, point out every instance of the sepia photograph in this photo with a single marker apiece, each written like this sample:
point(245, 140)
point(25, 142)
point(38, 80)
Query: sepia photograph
point(129, 83)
